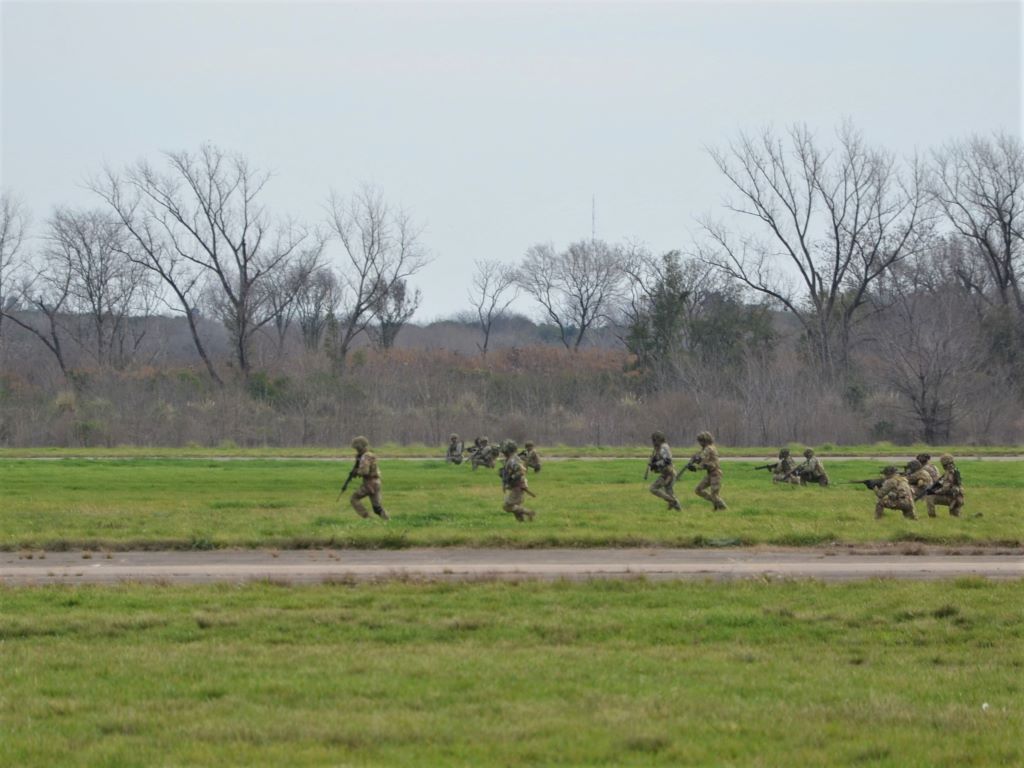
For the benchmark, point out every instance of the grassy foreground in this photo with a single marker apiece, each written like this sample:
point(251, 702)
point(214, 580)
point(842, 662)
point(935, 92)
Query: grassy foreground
point(164, 503)
point(602, 673)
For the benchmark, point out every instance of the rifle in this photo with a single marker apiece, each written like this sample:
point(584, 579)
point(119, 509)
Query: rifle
point(933, 488)
point(351, 474)
point(873, 483)
point(691, 465)
point(766, 466)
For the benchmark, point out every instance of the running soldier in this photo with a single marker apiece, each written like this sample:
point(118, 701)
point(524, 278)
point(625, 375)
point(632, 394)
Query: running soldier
point(894, 493)
point(366, 468)
point(782, 470)
point(661, 464)
point(811, 470)
point(530, 457)
point(919, 480)
point(513, 482)
point(454, 453)
point(950, 492)
point(707, 459)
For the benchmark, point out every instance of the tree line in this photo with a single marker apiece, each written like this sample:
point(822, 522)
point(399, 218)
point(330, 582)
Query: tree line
point(837, 281)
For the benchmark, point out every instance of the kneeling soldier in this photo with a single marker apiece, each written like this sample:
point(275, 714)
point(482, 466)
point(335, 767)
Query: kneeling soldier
point(366, 468)
point(812, 470)
point(530, 457)
point(950, 492)
point(707, 459)
point(782, 470)
point(894, 493)
point(661, 464)
point(920, 481)
point(454, 452)
point(513, 482)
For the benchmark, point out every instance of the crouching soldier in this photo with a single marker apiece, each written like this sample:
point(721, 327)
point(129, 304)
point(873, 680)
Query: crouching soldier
point(366, 468)
point(529, 456)
point(660, 464)
point(782, 470)
point(707, 459)
point(513, 482)
point(894, 493)
point(950, 492)
point(920, 480)
point(454, 453)
point(811, 470)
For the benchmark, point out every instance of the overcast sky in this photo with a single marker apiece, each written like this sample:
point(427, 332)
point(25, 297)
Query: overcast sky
point(494, 124)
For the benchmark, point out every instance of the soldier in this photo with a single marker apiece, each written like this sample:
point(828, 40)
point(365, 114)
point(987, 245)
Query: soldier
point(529, 456)
point(782, 470)
point(661, 464)
point(366, 468)
point(513, 482)
point(482, 456)
point(454, 453)
point(707, 459)
point(894, 493)
point(926, 463)
point(811, 470)
point(951, 490)
point(920, 481)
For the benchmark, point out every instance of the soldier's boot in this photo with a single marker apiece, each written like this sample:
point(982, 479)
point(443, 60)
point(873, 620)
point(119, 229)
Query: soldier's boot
point(381, 512)
point(955, 507)
point(931, 508)
point(529, 514)
point(674, 504)
point(358, 506)
point(719, 504)
point(909, 514)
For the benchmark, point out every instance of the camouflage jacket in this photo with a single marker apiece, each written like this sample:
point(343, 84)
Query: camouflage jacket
point(812, 467)
point(932, 471)
point(708, 459)
point(784, 466)
point(454, 451)
point(368, 469)
point(531, 459)
point(895, 489)
point(513, 473)
point(661, 459)
point(920, 480)
point(951, 483)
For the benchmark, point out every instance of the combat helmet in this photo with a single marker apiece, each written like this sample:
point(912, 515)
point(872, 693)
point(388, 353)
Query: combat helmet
point(913, 465)
point(891, 470)
point(705, 437)
point(360, 443)
point(808, 452)
point(484, 441)
point(528, 444)
point(924, 458)
point(946, 459)
point(657, 436)
point(508, 447)
point(783, 453)
point(453, 437)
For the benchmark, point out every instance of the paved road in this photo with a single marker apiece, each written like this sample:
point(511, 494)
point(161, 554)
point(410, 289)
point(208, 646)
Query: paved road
point(311, 566)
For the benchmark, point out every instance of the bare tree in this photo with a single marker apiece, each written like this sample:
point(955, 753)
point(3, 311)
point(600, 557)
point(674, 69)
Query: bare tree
point(287, 287)
point(837, 219)
point(979, 185)
point(13, 226)
point(381, 249)
point(575, 288)
point(494, 288)
point(316, 302)
point(43, 297)
point(394, 307)
point(204, 214)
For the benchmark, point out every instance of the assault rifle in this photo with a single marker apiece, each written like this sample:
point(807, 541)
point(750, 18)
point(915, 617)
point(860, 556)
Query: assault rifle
point(872, 484)
point(351, 476)
point(767, 466)
point(691, 465)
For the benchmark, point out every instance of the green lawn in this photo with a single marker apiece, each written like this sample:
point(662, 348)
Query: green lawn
point(515, 674)
point(160, 503)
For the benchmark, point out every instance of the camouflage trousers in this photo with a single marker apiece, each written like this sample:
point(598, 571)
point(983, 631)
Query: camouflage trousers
point(783, 477)
point(710, 487)
point(514, 503)
point(955, 502)
point(370, 488)
point(821, 478)
point(906, 506)
point(663, 487)
point(453, 458)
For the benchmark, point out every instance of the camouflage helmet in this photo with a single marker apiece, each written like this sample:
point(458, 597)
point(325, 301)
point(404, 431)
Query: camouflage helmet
point(453, 437)
point(508, 447)
point(913, 465)
point(484, 441)
point(924, 458)
point(658, 436)
point(360, 443)
point(809, 452)
point(890, 471)
point(705, 437)
point(783, 453)
point(528, 444)
point(946, 459)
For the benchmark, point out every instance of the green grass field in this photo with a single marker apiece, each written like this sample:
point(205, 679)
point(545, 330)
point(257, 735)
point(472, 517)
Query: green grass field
point(515, 674)
point(176, 503)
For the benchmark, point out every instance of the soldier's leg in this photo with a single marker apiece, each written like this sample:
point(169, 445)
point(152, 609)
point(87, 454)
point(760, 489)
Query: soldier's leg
point(715, 488)
point(658, 488)
point(929, 503)
point(956, 504)
point(908, 511)
point(879, 510)
point(823, 480)
point(514, 504)
point(378, 508)
point(356, 501)
point(702, 489)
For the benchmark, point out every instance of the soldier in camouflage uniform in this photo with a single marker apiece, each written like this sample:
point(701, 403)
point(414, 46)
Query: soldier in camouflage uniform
point(513, 482)
point(782, 470)
point(951, 492)
point(926, 464)
point(454, 452)
point(894, 493)
point(530, 457)
point(811, 469)
point(660, 463)
point(920, 481)
point(707, 459)
point(366, 468)
point(484, 455)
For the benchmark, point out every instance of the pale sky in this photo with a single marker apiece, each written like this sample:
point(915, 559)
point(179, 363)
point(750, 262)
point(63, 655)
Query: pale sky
point(494, 124)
